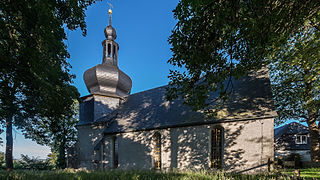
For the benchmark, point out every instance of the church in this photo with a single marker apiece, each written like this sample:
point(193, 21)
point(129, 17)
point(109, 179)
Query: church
point(119, 130)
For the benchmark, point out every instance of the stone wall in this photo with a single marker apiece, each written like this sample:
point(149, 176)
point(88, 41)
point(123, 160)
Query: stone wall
point(89, 137)
point(247, 145)
point(95, 107)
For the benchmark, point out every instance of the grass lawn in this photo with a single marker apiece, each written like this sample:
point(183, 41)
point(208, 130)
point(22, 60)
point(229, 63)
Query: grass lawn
point(138, 174)
point(305, 173)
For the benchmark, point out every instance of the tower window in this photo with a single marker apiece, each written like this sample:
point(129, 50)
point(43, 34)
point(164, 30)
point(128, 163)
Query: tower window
point(216, 147)
point(115, 150)
point(114, 51)
point(157, 151)
point(109, 50)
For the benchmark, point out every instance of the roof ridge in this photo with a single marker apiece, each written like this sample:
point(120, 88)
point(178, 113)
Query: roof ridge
point(148, 90)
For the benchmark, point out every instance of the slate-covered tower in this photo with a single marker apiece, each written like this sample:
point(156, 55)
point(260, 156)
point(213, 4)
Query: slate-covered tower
point(107, 85)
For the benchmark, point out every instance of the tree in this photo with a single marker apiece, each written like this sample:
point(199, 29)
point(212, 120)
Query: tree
point(295, 77)
point(58, 133)
point(216, 40)
point(66, 137)
point(34, 76)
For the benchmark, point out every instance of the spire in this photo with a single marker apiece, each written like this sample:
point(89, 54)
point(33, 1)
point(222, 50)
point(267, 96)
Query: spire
point(109, 31)
point(110, 47)
point(110, 12)
point(106, 78)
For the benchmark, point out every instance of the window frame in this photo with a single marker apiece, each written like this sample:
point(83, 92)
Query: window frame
point(300, 137)
point(115, 152)
point(157, 150)
point(220, 148)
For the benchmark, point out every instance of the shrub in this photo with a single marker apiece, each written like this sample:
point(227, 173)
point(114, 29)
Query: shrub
point(296, 158)
point(32, 163)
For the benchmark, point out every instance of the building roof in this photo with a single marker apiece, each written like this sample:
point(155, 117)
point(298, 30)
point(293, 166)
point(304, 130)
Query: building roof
point(289, 129)
point(285, 138)
point(251, 99)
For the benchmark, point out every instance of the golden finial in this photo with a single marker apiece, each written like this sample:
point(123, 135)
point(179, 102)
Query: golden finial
point(110, 12)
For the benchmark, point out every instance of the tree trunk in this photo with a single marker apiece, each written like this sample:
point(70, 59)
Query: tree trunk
point(9, 143)
point(314, 130)
point(62, 154)
point(314, 140)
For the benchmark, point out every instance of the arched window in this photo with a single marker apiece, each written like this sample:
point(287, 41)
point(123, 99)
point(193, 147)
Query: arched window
point(157, 151)
point(115, 150)
point(216, 147)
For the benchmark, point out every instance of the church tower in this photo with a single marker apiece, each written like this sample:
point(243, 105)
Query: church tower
point(107, 84)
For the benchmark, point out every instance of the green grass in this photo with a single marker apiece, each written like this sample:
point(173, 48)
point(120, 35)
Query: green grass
point(138, 174)
point(309, 173)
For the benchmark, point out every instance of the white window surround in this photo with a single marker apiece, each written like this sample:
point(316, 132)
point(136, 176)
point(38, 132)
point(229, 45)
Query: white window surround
point(301, 139)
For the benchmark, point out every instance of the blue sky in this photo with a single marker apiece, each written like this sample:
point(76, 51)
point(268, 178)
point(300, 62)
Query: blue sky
point(143, 28)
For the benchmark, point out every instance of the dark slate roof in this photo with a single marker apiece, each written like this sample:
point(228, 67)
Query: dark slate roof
point(149, 109)
point(289, 129)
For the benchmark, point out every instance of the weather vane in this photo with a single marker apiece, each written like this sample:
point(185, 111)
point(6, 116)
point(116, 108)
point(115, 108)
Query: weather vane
point(110, 12)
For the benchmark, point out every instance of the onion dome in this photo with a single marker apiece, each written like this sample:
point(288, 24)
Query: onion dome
point(106, 78)
point(110, 33)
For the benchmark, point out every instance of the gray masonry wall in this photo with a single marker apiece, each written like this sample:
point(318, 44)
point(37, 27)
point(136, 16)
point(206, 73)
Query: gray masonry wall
point(88, 138)
point(95, 107)
point(247, 144)
point(104, 105)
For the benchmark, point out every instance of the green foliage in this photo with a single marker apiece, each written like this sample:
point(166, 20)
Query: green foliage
point(60, 136)
point(310, 173)
point(2, 160)
point(295, 77)
point(34, 72)
point(29, 163)
point(214, 40)
point(296, 158)
point(35, 82)
point(53, 158)
point(32, 163)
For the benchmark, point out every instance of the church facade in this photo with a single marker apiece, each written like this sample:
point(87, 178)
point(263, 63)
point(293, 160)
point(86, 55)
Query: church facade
point(145, 131)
